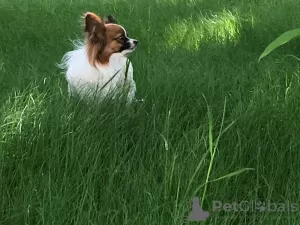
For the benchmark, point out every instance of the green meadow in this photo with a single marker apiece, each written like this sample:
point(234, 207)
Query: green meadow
point(215, 124)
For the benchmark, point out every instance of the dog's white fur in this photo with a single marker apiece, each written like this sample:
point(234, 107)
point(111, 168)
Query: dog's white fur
point(86, 80)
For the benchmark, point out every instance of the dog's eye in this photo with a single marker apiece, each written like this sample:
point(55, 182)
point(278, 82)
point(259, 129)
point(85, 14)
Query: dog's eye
point(120, 38)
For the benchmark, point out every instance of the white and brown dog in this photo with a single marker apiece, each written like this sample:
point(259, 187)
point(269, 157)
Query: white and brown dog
point(99, 66)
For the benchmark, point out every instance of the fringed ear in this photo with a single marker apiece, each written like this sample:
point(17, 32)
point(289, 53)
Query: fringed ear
point(110, 19)
point(94, 29)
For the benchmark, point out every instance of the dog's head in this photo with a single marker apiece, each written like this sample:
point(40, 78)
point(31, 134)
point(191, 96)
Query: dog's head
point(104, 37)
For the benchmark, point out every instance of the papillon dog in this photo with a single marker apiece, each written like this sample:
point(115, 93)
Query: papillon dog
point(99, 65)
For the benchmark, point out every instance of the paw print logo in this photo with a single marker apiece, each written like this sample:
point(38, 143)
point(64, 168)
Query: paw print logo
point(261, 207)
point(197, 213)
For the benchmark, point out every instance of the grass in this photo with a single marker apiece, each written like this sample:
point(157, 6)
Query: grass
point(215, 123)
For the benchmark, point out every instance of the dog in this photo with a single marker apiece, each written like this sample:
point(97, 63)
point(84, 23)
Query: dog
point(99, 65)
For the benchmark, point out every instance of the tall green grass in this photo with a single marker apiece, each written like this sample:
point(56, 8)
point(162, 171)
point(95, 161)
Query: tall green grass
point(215, 124)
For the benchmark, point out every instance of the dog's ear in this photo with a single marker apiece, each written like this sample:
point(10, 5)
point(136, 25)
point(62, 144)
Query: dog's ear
point(94, 27)
point(110, 19)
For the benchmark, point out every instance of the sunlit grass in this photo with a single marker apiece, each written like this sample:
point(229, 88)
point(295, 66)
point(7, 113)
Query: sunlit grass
point(20, 110)
point(191, 34)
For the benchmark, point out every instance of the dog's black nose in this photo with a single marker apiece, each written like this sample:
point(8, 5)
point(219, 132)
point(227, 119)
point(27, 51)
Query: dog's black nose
point(135, 42)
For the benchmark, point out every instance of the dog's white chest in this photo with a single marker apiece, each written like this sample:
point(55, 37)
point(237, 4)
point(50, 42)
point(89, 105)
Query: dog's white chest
point(85, 79)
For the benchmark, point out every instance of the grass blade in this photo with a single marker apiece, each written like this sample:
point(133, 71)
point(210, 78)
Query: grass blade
point(281, 40)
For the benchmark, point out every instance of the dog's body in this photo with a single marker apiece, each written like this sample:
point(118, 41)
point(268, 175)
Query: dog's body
point(99, 66)
point(101, 81)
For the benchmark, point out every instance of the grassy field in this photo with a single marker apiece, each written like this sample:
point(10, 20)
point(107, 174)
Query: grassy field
point(211, 111)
